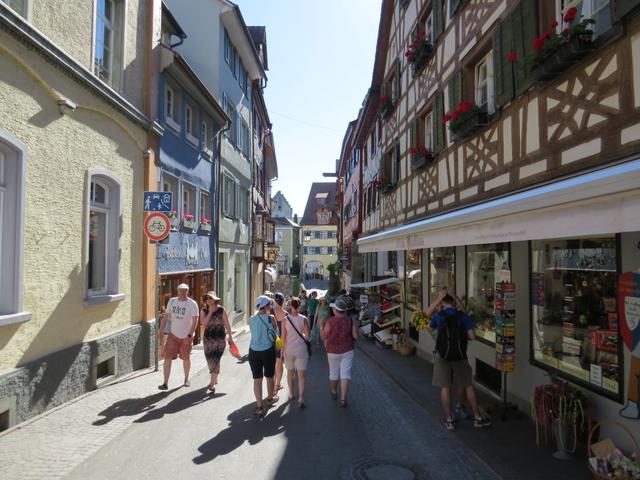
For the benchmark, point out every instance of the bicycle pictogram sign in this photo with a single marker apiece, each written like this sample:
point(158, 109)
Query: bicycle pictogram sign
point(156, 226)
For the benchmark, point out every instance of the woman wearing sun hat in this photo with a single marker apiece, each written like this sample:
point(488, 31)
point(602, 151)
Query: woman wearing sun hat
point(216, 324)
point(262, 354)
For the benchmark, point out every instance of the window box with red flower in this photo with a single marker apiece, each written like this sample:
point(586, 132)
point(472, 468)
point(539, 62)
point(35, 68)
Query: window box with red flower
point(205, 225)
point(466, 119)
point(386, 106)
point(173, 220)
point(383, 185)
point(555, 52)
point(188, 222)
point(419, 52)
point(420, 157)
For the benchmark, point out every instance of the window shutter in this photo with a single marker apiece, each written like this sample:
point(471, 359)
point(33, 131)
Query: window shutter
point(503, 69)
point(397, 79)
point(624, 7)
point(397, 161)
point(453, 6)
point(524, 25)
point(438, 126)
point(413, 140)
point(438, 21)
point(455, 90)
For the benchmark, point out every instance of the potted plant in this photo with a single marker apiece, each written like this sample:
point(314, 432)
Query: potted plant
point(386, 106)
point(466, 119)
point(554, 52)
point(173, 219)
point(420, 157)
point(419, 52)
point(384, 185)
point(188, 222)
point(205, 225)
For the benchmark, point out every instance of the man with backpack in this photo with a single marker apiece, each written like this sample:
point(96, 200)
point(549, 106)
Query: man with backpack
point(450, 366)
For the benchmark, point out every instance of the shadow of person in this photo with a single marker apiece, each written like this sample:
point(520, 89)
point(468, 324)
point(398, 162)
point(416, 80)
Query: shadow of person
point(178, 404)
point(131, 406)
point(243, 427)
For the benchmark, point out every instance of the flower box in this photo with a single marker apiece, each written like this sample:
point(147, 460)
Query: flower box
point(188, 223)
point(173, 220)
point(386, 187)
point(466, 119)
point(420, 161)
point(421, 57)
point(205, 227)
point(554, 64)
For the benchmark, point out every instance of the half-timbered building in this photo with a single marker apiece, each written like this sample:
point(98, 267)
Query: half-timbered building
point(507, 151)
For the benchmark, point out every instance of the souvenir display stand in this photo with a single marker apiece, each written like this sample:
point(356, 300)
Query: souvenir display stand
point(380, 305)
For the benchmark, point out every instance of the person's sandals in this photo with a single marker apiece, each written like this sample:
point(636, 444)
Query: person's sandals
point(481, 422)
point(301, 405)
point(211, 389)
point(187, 383)
point(259, 413)
point(343, 403)
point(334, 395)
point(450, 424)
point(278, 387)
point(273, 399)
point(163, 387)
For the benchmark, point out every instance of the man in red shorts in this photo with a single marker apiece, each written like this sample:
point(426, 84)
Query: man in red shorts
point(182, 313)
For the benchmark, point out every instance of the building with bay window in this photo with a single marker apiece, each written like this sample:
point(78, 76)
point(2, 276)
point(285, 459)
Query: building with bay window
point(77, 148)
point(319, 230)
point(504, 160)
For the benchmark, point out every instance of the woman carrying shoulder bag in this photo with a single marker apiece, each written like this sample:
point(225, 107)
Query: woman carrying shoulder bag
point(262, 354)
point(295, 334)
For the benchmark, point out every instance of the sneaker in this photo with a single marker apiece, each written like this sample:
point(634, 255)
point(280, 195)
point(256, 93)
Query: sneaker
point(163, 387)
point(450, 423)
point(481, 422)
point(461, 412)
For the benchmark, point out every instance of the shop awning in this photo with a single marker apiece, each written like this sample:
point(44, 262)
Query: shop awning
point(600, 202)
point(270, 274)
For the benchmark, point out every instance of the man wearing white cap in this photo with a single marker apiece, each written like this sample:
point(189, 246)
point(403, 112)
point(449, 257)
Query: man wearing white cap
point(183, 313)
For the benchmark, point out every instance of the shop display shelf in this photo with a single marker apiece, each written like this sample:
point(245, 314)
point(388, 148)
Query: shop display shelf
point(366, 329)
point(387, 321)
point(384, 337)
point(390, 309)
point(391, 297)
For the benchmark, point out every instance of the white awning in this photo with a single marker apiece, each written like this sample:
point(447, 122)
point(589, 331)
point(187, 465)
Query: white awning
point(270, 275)
point(600, 202)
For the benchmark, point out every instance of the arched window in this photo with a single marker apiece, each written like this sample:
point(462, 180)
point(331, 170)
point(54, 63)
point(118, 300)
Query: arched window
point(103, 233)
point(12, 175)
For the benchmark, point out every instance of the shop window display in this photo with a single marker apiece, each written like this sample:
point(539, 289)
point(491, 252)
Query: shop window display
point(442, 271)
point(486, 266)
point(413, 277)
point(574, 311)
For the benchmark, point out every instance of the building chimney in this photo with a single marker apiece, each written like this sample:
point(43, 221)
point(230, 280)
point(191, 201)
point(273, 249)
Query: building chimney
point(295, 217)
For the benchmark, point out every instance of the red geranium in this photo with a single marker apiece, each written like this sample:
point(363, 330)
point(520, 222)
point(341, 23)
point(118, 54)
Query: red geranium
point(570, 14)
point(384, 99)
point(538, 43)
point(455, 114)
point(447, 118)
point(554, 24)
point(546, 35)
point(512, 56)
point(413, 151)
point(464, 106)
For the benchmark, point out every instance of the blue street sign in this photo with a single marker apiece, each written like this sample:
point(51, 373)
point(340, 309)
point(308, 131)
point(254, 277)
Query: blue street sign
point(158, 201)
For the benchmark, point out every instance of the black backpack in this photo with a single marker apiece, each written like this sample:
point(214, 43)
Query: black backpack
point(451, 343)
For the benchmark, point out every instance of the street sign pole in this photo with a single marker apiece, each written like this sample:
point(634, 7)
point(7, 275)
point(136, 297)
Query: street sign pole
point(156, 305)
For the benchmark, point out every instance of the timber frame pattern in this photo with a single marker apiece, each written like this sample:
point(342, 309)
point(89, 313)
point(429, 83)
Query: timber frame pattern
point(587, 117)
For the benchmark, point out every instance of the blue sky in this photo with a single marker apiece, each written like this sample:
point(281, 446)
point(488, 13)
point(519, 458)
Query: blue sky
point(320, 64)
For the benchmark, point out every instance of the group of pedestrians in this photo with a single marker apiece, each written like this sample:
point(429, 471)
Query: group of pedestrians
point(281, 337)
point(283, 331)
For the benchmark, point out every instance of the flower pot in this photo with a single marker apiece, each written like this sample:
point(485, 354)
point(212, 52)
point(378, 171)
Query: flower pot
point(387, 188)
point(419, 162)
point(475, 121)
point(576, 48)
point(205, 228)
point(188, 224)
point(174, 223)
point(421, 59)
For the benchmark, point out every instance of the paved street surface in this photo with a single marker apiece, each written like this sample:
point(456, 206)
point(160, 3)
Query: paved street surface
point(130, 430)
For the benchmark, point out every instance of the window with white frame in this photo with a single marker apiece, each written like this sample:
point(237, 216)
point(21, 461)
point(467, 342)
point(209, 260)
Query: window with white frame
point(233, 61)
point(11, 231)
point(107, 51)
point(241, 75)
point(484, 84)
point(228, 196)
point(190, 122)
point(227, 46)
point(239, 132)
point(427, 25)
point(205, 129)
point(170, 184)
point(103, 235)
point(205, 206)
point(188, 199)
point(598, 10)
point(245, 139)
point(171, 108)
point(428, 131)
point(20, 6)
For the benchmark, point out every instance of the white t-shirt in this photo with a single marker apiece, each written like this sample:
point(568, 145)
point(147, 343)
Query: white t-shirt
point(181, 315)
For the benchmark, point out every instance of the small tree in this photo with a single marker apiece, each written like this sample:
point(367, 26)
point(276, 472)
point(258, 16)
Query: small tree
point(295, 290)
point(334, 279)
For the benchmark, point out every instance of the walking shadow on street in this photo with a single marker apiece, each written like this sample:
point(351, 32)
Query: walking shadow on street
point(243, 427)
point(130, 407)
point(194, 397)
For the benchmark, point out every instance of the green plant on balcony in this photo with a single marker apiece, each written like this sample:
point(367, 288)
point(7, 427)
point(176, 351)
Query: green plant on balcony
point(466, 119)
point(418, 52)
point(420, 157)
point(386, 106)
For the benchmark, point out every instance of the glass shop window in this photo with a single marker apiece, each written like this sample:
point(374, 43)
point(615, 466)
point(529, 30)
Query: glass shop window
point(413, 278)
point(442, 270)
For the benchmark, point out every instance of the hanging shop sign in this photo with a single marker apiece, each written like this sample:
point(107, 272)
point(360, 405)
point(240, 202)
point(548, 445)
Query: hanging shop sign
point(272, 255)
point(505, 311)
point(184, 252)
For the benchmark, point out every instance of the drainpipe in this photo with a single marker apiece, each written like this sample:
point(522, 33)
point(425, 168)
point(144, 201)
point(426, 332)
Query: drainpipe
point(218, 138)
